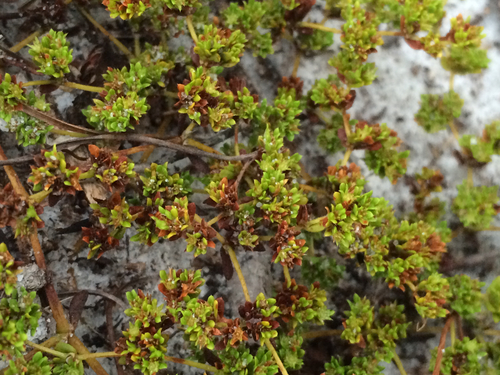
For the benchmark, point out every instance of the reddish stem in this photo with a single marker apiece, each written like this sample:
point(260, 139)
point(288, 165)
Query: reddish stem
point(442, 343)
point(62, 324)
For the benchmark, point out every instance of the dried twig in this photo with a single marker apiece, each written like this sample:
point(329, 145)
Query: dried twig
point(109, 296)
point(242, 172)
point(111, 333)
point(136, 138)
point(10, 58)
point(62, 325)
point(56, 122)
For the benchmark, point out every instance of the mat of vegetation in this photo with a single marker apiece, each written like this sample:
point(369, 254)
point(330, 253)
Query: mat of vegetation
point(253, 187)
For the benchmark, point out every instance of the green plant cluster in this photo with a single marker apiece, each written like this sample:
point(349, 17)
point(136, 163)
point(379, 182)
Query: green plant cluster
point(465, 55)
point(11, 96)
point(466, 298)
point(430, 296)
point(318, 40)
point(290, 350)
point(8, 270)
point(158, 61)
point(240, 361)
point(466, 356)
point(381, 155)
point(332, 94)
point(360, 39)
point(51, 54)
point(157, 179)
point(250, 18)
point(19, 316)
point(205, 325)
point(436, 111)
point(122, 103)
point(126, 9)
point(220, 47)
point(476, 205)
point(375, 333)
point(145, 341)
point(67, 363)
point(483, 148)
point(54, 173)
point(328, 137)
point(29, 130)
point(39, 365)
point(326, 271)
point(492, 299)
point(422, 15)
point(18, 213)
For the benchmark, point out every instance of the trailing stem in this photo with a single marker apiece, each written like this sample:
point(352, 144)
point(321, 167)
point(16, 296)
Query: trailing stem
point(276, 357)
point(288, 279)
point(234, 260)
point(398, 363)
point(25, 41)
point(62, 324)
point(73, 85)
point(442, 342)
point(189, 21)
point(347, 155)
point(319, 26)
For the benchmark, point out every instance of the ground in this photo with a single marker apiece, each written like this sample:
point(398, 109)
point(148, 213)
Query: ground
point(403, 75)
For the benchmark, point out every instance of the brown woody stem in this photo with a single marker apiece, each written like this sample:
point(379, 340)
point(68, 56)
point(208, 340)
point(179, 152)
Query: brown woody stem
point(188, 130)
point(492, 229)
point(54, 121)
point(453, 332)
point(442, 342)
point(62, 324)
